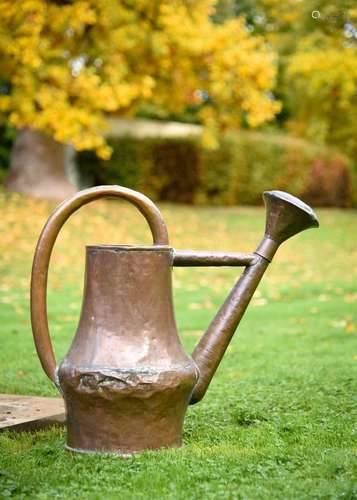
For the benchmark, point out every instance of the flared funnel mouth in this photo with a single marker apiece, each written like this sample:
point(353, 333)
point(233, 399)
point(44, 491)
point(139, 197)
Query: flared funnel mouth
point(287, 215)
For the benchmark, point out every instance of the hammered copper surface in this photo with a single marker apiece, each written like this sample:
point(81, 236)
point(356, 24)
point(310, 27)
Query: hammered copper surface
point(126, 363)
point(126, 380)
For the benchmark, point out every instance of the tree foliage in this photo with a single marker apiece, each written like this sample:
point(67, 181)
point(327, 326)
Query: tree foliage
point(321, 77)
point(66, 64)
point(316, 42)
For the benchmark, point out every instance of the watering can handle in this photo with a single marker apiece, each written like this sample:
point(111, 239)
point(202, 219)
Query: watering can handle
point(44, 248)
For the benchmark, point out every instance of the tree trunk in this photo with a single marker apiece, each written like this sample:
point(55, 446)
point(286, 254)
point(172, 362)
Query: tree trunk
point(38, 166)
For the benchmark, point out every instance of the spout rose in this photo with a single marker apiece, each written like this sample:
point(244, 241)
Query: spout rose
point(286, 216)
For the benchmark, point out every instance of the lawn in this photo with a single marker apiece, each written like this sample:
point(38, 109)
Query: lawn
point(278, 420)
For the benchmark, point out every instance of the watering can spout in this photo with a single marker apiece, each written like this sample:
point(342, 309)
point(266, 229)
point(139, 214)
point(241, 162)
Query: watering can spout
point(286, 216)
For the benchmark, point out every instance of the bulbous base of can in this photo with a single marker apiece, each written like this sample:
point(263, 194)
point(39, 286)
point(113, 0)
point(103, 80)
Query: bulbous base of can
point(125, 412)
point(117, 430)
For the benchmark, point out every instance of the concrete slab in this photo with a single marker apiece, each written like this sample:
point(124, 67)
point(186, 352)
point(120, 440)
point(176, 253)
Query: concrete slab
point(30, 413)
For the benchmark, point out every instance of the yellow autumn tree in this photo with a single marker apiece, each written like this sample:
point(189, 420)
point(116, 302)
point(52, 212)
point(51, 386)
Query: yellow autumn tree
point(316, 42)
point(66, 64)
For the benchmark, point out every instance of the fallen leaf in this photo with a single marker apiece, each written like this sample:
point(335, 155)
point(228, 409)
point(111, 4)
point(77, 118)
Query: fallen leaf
point(314, 310)
point(339, 323)
point(194, 306)
point(259, 302)
point(323, 298)
point(350, 298)
point(300, 320)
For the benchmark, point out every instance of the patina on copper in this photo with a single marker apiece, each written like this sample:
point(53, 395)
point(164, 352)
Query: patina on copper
point(127, 380)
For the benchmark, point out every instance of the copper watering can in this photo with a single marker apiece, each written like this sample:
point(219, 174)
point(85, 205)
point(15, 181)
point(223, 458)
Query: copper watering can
point(126, 380)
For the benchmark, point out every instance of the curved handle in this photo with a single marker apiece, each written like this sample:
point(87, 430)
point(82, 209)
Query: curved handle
point(44, 249)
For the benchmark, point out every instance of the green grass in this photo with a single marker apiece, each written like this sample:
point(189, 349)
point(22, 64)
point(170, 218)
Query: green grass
point(279, 418)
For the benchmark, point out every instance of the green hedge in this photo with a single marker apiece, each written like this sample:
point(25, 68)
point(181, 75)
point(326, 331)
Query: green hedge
point(237, 172)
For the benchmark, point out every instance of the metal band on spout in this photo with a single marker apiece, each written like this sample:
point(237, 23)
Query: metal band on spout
point(267, 248)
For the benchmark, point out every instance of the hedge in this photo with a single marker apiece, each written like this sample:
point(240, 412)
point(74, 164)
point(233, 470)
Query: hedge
point(237, 172)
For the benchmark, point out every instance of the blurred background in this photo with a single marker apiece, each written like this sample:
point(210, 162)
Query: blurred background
point(198, 102)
